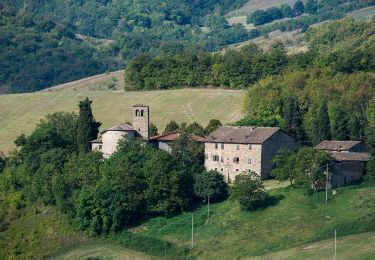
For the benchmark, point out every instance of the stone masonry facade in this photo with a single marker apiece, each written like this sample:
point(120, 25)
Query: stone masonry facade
point(244, 149)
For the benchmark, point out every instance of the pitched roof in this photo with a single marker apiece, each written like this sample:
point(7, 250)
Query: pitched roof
point(337, 145)
point(122, 127)
point(172, 136)
point(344, 156)
point(96, 141)
point(241, 134)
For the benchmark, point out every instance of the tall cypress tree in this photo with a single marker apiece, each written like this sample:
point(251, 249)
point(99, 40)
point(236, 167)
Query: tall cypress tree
point(322, 126)
point(293, 118)
point(338, 122)
point(88, 128)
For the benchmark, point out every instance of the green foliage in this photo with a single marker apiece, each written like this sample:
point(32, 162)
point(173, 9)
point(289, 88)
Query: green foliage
point(293, 118)
point(298, 7)
point(48, 49)
point(284, 166)
point(171, 126)
point(305, 167)
point(2, 162)
point(317, 123)
point(234, 69)
point(213, 125)
point(249, 191)
point(87, 127)
point(210, 185)
point(153, 130)
point(195, 129)
point(311, 7)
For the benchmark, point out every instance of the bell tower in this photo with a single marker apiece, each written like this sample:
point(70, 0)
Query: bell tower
point(141, 120)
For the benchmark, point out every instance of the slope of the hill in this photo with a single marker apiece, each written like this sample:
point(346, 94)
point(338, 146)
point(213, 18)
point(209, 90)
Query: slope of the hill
point(293, 226)
point(38, 52)
point(21, 112)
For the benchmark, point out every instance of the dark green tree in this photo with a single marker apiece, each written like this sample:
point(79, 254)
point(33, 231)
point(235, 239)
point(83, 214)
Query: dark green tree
point(195, 129)
point(153, 130)
point(249, 191)
point(287, 11)
point(87, 127)
point(322, 122)
point(210, 186)
point(284, 166)
point(293, 118)
point(298, 7)
point(213, 125)
point(171, 126)
point(311, 7)
point(2, 162)
point(338, 122)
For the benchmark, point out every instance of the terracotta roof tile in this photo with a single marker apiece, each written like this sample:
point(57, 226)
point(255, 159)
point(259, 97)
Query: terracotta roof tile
point(172, 136)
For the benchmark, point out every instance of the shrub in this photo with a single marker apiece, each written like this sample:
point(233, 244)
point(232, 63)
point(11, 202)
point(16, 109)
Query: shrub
point(249, 191)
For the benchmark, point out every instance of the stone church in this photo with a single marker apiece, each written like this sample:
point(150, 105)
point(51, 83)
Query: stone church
point(109, 138)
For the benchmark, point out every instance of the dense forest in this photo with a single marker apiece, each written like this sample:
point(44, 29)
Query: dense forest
point(38, 52)
point(132, 28)
point(345, 46)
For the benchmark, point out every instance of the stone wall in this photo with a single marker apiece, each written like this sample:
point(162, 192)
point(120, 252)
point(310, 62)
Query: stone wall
point(347, 172)
point(141, 121)
point(270, 148)
point(110, 140)
point(226, 166)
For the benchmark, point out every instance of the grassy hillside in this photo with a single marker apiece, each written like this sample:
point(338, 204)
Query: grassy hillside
point(293, 226)
point(253, 5)
point(21, 112)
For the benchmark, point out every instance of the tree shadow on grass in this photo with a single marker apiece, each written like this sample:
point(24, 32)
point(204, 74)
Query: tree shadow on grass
point(270, 201)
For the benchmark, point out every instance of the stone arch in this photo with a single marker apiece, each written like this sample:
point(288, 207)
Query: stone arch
point(137, 112)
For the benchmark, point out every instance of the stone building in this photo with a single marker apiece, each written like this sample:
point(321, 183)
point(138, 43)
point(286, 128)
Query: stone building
point(350, 160)
point(164, 141)
point(109, 138)
point(232, 150)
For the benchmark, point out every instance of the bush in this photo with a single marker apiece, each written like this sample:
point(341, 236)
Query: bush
point(249, 191)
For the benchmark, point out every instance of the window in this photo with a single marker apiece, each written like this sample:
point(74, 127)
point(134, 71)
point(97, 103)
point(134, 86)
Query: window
point(216, 145)
point(215, 158)
point(141, 112)
point(221, 169)
point(215, 169)
point(100, 146)
point(237, 146)
point(137, 112)
point(249, 160)
point(236, 170)
point(236, 160)
point(222, 146)
point(222, 159)
point(250, 146)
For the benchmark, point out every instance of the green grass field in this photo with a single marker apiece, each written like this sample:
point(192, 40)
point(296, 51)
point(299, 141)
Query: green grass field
point(19, 113)
point(294, 226)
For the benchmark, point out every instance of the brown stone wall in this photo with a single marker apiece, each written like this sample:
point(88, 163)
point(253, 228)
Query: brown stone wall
point(347, 172)
point(270, 148)
point(226, 166)
point(141, 121)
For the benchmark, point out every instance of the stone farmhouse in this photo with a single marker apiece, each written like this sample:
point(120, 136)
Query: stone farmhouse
point(232, 150)
point(350, 157)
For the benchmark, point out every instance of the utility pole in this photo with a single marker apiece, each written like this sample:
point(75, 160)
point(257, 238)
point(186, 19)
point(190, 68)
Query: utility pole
point(334, 256)
point(327, 184)
point(192, 231)
point(208, 210)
